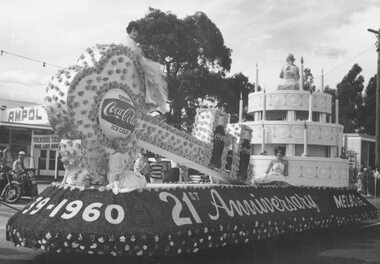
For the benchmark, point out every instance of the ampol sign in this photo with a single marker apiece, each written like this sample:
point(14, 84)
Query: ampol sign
point(27, 115)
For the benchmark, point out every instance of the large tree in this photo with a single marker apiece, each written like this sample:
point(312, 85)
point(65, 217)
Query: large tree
point(349, 93)
point(236, 86)
point(367, 116)
point(194, 55)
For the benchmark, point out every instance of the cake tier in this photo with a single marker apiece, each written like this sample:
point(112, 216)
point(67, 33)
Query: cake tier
point(292, 132)
point(290, 100)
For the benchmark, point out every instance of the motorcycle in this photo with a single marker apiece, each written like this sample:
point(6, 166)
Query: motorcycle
point(9, 189)
point(23, 184)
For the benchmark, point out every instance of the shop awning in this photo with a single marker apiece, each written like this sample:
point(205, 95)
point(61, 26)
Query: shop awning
point(22, 125)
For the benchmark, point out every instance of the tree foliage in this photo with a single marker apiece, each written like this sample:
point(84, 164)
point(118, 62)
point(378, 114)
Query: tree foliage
point(194, 55)
point(368, 114)
point(332, 92)
point(349, 93)
point(308, 80)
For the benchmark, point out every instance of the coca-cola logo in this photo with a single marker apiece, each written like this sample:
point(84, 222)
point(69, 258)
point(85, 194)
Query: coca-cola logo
point(118, 112)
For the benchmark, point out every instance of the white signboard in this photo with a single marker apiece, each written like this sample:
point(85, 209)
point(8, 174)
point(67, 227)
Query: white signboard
point(27, 115)
point(45, 142)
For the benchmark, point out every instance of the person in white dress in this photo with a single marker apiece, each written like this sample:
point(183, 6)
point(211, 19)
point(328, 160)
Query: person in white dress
point(156, 94)
point(119, 177)
point(277, 170)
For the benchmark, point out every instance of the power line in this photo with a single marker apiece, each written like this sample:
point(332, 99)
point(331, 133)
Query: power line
point(343, 63)
point(44, 63)
point(361, 53)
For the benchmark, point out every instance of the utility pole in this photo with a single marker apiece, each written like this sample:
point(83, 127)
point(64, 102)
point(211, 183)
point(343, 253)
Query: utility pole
point(377, 146)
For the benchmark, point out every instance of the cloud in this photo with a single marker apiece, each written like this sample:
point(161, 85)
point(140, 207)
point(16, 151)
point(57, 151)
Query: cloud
point(19, 77)
point(324, 32)
point(330, 52)
point(20, 86)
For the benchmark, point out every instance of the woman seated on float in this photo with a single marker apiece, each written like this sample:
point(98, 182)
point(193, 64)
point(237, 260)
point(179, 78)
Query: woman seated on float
point(119, 177)
point(277, 170)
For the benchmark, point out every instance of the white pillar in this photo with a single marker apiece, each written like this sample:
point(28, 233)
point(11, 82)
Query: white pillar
point(291, 116)
point(322, 118)
point(310, 107)
point(262, 139)
point(241, 107)
point(256, 116)
point(290, 150)
point(340, 138)
point(333, 152)
point(304, 154)
point(264, 117)
point(301, 75)
point(56, 164)
point(32, 152)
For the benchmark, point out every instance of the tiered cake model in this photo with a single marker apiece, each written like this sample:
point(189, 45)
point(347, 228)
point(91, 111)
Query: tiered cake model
point(300, 121)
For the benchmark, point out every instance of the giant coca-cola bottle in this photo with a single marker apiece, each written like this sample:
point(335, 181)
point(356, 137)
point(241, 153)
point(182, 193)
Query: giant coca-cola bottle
point(244, 152)
point(218, 140)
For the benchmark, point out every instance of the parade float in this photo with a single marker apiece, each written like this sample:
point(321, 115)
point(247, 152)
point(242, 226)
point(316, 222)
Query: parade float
point(102, 98)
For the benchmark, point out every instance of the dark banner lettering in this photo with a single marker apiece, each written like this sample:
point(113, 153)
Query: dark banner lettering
point(183, 219)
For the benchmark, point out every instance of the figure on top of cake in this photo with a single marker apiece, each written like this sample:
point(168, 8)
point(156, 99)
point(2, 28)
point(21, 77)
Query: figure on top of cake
point(290, 75)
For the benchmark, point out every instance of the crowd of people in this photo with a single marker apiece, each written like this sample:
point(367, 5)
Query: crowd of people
point(367, 180)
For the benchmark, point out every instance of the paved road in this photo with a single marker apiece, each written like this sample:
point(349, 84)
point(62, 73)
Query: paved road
point(360, 244)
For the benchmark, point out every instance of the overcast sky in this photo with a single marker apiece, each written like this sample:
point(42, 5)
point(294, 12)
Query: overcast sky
point(329, 34)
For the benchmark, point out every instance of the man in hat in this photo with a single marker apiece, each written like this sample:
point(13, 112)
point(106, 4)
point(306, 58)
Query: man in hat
point(290, 75)
point(18, 164)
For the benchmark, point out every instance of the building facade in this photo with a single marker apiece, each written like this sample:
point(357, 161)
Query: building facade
point(360, 148)
point(25, 126)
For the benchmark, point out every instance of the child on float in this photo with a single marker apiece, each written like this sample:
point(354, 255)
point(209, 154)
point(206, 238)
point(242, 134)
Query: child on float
point(119, 177)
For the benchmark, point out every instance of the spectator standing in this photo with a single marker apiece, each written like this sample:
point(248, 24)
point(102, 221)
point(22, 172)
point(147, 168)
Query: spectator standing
point(156, 172)
point(370, 182)
point(360, 178)
point(365, 182)
point(376, 176)
point(18, 164)
point(359, 183)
